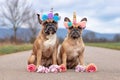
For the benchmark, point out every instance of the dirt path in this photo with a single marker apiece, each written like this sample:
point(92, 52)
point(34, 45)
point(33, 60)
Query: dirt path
point(13, 67)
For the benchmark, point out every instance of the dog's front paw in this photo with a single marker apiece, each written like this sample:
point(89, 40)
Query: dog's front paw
point(42, 69)
point(80, 68)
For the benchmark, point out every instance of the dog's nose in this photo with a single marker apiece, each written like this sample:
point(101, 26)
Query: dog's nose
point(51, 28)
point(75, 33)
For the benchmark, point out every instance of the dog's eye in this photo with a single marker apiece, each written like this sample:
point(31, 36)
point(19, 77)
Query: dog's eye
point(54, 22)
point(79, 27)
point(45, 23)
point(71, 27)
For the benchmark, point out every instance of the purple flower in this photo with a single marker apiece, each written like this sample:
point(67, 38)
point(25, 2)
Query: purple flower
point(80, 68)
point(50, 15)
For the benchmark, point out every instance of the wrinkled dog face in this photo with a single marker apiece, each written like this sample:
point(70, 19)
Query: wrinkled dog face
point(74, 32)
point(49, 24)
point(50, 27)
point(75, 29)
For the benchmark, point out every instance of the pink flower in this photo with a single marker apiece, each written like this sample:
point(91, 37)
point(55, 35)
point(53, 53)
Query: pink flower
point(42, 69)
point(31, 68)
point(91, 68)
point(46, 70)
point(80, 68)
point(54, 68)
point(63, 68)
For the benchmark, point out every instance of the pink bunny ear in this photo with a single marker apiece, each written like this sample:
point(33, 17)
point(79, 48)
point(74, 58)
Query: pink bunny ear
point(66, 20)
point(82, 24)
point(66, 24)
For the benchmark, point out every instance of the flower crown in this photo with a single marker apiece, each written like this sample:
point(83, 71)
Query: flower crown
point(81, 24)
point(51, 16)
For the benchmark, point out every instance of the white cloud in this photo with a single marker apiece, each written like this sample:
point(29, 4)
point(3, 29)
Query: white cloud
point(103, 27)
point(103, 15)
point(59, 3)
point(117, 20)
point(111, 10)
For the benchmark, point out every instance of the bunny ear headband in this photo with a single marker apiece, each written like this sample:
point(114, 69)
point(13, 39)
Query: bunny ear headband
point(68, 23)
point(51, 16)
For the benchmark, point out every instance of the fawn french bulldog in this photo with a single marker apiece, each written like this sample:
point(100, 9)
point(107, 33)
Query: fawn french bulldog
point(45, 47)
point(72, 49)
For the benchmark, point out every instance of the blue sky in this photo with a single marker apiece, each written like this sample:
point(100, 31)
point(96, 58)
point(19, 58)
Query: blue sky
point(103, 15)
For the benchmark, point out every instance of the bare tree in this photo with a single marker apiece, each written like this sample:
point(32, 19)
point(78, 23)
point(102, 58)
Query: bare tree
point(34, 26)
point(14, 13)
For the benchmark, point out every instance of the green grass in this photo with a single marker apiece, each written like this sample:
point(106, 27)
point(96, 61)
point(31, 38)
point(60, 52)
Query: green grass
point(10, 48)
point(106, 45)
point(7, 49)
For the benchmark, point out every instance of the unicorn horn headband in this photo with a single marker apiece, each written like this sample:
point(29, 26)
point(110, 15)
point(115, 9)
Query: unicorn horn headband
point(74, 18)
point(50, 16)
point(81, 24)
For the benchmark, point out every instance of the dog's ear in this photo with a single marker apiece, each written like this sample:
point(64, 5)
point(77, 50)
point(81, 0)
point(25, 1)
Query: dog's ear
point(56, 14)
point(84, 19)
point(66, 19)
point(82, 23)
point(39, 19)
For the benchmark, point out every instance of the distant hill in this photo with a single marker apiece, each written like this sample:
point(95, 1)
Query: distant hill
point(4, 32)
point(108, 36)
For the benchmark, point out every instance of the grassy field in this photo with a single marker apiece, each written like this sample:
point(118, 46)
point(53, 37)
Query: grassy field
point(10, 48)
point(106, 45)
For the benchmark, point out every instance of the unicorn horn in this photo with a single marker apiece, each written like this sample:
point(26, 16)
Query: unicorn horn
point(74, 18)
point(51, 10)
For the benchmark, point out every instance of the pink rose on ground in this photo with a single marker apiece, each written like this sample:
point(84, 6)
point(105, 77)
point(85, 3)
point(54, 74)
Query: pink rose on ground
point(91, 68)
point(63, 68)
point(31, 68)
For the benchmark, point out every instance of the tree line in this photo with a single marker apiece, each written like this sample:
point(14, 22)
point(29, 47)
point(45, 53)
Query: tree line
point(91, 37)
